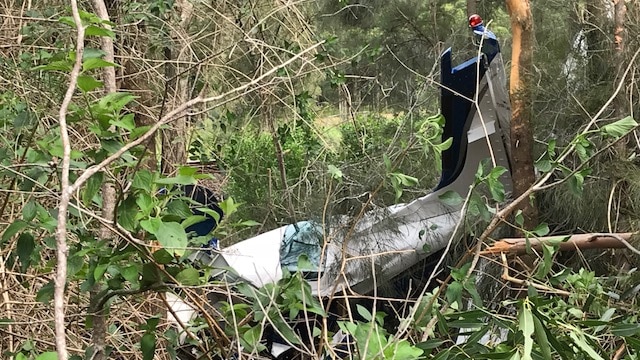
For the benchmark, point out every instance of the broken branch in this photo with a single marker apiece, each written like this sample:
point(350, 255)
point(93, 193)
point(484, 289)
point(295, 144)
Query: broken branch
point(518, 246)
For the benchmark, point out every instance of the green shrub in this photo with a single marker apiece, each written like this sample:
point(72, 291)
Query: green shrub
point(359, 153)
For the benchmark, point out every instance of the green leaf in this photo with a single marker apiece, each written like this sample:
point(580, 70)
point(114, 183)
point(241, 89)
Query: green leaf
point(130, 273)
point(189, 277)
point(114, 102)
point(252, 336)
point(95, 63)
point(127, 211)
point(92, 188)
point(527, 326)
point(193, 219)
point(67, 20)
point(249, 223)
point(576, 182)
point(364, 312)
point(581, 342)
point(625, 329)
point(519, 218)
point(143, 180)
point(187, 171)
point(547, 262)
point(285, 330)
point(163, 257)
point(387, 162)
point(454, 292)
point(25, 246)
point(173, 237)
point(138, 131)
point(619, 128)
point(151, 225)
point(148, 346)
point(30, 210)
point(49, 355)
point(407, 180)
point(430, 344)
point(87, 83)
point(551, 148)
point(125, 122)
point(541, 230)
point(177, 180)
point(444, 145)
point(45, 294)
point(179, 208)
point(497, 190)
point(13, 229)
point(544, 165)
point(144, 202)
point(93, 30)
point(334, 172)
point(92, 53)
point(541, 338)
point(151, 325)
point(23, 119)
point(495, 186)
point(98, 272)
point(229, 206)
point(451, 198)
point(61, 65)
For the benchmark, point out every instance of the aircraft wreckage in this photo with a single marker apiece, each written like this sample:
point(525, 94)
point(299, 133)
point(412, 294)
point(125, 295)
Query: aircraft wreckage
point(344, 254)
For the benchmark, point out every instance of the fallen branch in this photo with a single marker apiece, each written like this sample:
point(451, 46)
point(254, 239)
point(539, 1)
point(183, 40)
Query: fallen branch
point(518, 246)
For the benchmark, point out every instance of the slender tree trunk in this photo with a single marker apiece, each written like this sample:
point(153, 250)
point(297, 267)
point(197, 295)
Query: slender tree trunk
point(619, 38)
point(99, 333)
point(597, 25)
point(174, 139)
point(521, 101)
point(472, 7)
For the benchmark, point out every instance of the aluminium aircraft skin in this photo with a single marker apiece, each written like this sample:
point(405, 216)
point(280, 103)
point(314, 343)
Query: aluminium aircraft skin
point(394, 239)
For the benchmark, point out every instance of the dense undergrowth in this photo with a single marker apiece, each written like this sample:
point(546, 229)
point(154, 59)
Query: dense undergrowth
point(351, 154)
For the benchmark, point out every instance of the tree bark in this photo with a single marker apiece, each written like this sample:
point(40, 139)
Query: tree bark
point(619, 38)
point(597, 25)
point(174, 139)
point(472, 7)
point(99, 333)
point(521, 102)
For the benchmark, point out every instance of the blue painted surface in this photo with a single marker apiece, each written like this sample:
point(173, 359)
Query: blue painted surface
point(459, 85)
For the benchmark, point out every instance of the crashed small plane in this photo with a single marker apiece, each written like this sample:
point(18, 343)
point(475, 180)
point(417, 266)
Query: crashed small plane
point(358, 255)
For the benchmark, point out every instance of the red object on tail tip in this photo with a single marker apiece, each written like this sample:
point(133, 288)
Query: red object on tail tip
point(475, 20)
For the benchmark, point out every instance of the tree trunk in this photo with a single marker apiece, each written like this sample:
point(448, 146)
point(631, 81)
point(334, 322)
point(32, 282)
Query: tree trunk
point(619, 35)
point(99, 333)
point(174, 139)
point(472, 7)
point(521, 102)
